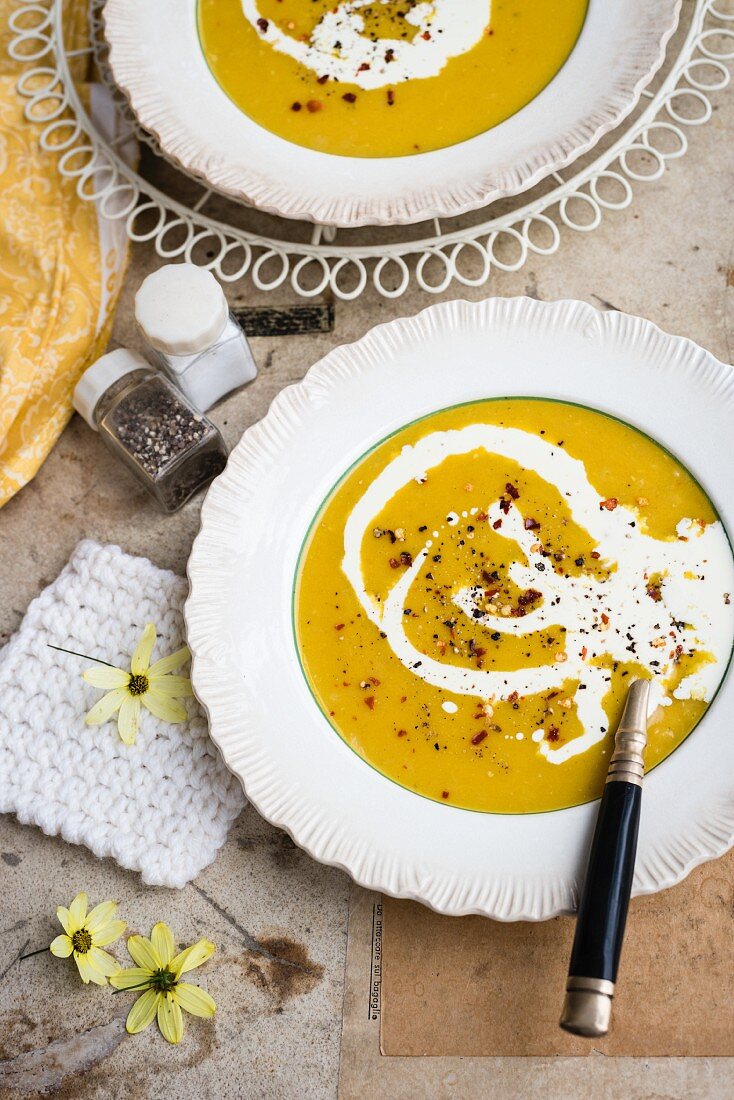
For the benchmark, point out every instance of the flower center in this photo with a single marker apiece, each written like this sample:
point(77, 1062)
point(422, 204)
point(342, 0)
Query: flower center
point(82, 941)
point(163, 980)
point(138, 685)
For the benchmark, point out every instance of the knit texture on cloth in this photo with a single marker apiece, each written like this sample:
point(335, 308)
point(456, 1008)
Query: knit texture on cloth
point(162, 806)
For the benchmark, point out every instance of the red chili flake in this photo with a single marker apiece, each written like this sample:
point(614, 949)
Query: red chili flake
point(389, 55)
point(727, 598)
point(610, 504)
point(314, 105)
point(444, 794)
point(497, 524)
point(513, 492)
point(349, 97)
point(478, 651)
point(481, 516)
point(370, 702)
point(402, 733)
point(653, 591)
point(403, 698)
point(604, 618)
point(552, 734)
point(339, 626)
point(426, 36)
point(262, 25)
point(678, 652)
point(390, 97)
point(595, 555)
point(490, 592)
point(531, 524)
point(584, 651)
point(295, 106)
point(394, 563)
point(504, 505)
point(513, 697)
point(529, 596)
point(363, 67)
point(374, 681)
point(406, 558)
point(479, 737)
point(322, 79)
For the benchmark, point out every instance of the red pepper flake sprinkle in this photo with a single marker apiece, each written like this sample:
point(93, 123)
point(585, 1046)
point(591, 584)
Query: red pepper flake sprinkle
point(512, 491)
point(604, 618)
point(314, 105)
point(262, 25)
point(403, 698)
point(529, 596)
point(394, 563)
point(610, 504)
point(444, 794)
point(370, 702)
point(497, 524)
point(653, 591)
point(504, 505)
point(426, 36)
point(531, 524)
point(513, 697)
point(402, 733)
point(349, 97)
point(406, 558)
point(296, 106)
point(595, 555)
point(363, 67)
point(389, 55)
point(374, 681)
point(322, 79)
point(339, 626)
point(390, 97)
point(552, 734)
point(481, 516)
point(479, 737)
point(727, 598)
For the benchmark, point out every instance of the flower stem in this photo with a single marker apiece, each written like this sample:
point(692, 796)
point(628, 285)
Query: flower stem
point(32, 953)
point(126, 989)
point(86, 657)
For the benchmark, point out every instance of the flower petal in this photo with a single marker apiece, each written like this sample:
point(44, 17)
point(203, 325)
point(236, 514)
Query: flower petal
point(143, 953)
point(103, 961)
point(87, 970)
point(143, 1012)
point(128, 719)
point(109, 932)
point(101, 914)
point(102, 676)
point(162, 939)
point(77, 912)
point(128, 979)
point(64, 918)
point(194, 1000)
point(170, 1020)
point(105, 707)
point(61, 947)
point(168, 664)
point(141, 657)
point(192, 956)
point(172, 686)
point(168, 710)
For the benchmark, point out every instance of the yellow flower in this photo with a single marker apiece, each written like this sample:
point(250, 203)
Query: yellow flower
point(85, 934)
point(158, 973)
point(144, 683)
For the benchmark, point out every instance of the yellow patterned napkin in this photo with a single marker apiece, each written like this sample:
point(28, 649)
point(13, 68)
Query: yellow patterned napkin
point(60, 272)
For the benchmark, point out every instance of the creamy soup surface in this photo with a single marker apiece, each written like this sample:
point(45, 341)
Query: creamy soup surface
point(477, 592)
point(372, 78)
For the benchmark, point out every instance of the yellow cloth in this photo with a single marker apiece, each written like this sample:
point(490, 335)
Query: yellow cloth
point(59, 277)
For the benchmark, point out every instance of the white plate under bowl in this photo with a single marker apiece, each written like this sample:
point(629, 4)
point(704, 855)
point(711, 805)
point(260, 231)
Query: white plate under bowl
point(294, 767)
point(157, 60)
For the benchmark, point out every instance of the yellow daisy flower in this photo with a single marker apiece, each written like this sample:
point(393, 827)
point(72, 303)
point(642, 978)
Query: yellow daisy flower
point(144, 683)
point(85, 934)
point(158, 973)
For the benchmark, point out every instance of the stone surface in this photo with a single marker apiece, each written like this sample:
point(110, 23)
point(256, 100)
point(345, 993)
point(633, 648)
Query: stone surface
point(278, 918)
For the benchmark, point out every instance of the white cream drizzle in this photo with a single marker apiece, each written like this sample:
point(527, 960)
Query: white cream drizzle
point(576, 603)
point(339, 49)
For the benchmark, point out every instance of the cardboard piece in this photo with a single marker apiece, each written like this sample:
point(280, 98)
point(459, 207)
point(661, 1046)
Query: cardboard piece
point(471, 986)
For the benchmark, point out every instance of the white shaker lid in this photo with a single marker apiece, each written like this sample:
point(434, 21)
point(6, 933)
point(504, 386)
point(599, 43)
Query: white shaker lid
point(98, 378)
point(181, 309)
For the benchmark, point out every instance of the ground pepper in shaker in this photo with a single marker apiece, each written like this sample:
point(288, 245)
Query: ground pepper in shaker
point(171, 448)
point(183, 314)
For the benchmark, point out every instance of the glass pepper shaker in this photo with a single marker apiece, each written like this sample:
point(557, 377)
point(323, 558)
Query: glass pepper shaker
point(171, 448)
point(183, 315)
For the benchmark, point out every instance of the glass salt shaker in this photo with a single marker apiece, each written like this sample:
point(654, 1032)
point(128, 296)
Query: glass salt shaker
point(183, 314)
point(172, 449)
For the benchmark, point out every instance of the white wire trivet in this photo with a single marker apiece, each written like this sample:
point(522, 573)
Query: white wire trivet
point(242, 242)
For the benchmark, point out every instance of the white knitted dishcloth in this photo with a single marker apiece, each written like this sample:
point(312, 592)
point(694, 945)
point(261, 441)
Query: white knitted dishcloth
point(162, 806)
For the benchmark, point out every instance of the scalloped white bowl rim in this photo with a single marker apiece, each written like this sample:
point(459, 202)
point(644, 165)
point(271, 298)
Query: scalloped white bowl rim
point(157, 61)
point(297, 772)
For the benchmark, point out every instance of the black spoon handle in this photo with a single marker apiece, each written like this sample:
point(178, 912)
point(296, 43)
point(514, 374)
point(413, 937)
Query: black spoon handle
point(605, 897)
